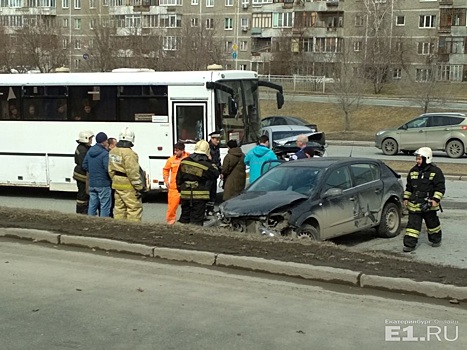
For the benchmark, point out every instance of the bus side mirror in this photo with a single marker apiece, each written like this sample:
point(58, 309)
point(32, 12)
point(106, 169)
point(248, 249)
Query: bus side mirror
point(233, 109)
point(280, 100)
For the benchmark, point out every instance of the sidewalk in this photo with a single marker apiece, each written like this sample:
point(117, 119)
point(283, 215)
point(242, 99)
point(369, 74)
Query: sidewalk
point(310, 272)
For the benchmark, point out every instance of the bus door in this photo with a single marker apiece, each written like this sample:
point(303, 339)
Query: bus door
point(190, 122)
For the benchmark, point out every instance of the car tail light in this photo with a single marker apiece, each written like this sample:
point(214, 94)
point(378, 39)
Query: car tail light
point(464, 127)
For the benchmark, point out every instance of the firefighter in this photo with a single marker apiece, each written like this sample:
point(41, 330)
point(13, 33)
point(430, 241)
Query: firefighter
point(193, 177)
point(170, 174)
point(124, 170)
point(84, 143)
point(422, 196)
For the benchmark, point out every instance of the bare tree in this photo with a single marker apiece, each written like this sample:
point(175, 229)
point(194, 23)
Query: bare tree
point(39, 44)
point(348, 83)
point(378, 34)
point(7, 51)
point(198, 46)
point(281, 48)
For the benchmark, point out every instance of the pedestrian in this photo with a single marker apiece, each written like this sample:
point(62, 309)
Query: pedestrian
point(124, 171)
point(96, 163)
point(422, 196)
point(215, 154)
point(301, 141)
point(193, 178)
point(111, 143)
point(257, 156)
point(79, 174)
point(170, 179)
point(233, 171)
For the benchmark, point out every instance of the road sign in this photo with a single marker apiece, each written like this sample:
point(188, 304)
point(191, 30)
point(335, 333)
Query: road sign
point(85, 56)
point(234, 55)
point(235, 47)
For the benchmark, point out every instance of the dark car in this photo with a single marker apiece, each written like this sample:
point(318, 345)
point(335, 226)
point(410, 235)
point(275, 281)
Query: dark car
point(287, 120)
point(319, 198)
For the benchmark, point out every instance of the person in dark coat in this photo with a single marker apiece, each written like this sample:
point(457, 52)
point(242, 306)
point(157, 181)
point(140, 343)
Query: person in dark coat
point(215, 155)
point(233, 171)
point(79, 174)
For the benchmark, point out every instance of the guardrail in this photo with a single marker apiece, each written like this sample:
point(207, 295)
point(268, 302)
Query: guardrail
point(298, 83)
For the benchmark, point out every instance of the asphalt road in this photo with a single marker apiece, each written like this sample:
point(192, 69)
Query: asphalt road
point(55, 298)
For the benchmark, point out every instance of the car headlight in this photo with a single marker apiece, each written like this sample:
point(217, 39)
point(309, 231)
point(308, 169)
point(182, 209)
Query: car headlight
point(381, 132)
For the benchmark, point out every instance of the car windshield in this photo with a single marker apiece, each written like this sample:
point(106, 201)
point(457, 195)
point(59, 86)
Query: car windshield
point(286, 178)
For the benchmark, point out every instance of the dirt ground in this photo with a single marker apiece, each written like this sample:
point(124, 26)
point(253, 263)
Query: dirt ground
point(218, 241)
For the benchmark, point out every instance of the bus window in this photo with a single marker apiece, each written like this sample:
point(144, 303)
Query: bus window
point(141, 103)
point(10, 106)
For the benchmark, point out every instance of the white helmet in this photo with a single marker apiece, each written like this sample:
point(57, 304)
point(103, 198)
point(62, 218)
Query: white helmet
point(426, 153)
point(126, 134)
point(85, 136)
point(202, 147)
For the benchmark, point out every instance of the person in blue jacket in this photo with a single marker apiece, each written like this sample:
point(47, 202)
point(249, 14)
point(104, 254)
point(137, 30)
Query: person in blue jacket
point(257, 156)
point(96, 163)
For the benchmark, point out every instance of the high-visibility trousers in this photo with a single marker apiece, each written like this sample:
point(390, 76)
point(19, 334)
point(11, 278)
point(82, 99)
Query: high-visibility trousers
point(128, 206)
point(173, 199)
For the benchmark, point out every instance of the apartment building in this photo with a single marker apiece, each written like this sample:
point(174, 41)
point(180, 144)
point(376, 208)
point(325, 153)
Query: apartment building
point(422, 37)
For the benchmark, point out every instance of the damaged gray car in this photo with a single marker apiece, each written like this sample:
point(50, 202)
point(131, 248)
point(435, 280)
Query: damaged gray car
point(319, 198)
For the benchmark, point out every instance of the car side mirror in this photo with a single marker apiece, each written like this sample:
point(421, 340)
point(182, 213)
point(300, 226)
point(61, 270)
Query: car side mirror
point(404, 127)
point(332, 193)
point(279, 100)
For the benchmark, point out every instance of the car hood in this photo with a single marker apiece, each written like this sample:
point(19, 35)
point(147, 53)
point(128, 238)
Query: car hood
point(260, 203)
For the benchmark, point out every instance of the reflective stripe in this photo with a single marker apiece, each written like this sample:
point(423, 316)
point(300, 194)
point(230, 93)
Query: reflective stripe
point(432, 175)
point(196, 165)
point(79, 177)
point(407, 194)
point(434, 230)
point(186, 194)
point(412, 232)
point(81, 202)
point(438, 195)
point(122, 186)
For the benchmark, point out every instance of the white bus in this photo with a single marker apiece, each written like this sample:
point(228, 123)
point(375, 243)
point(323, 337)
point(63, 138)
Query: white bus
point(42, 114)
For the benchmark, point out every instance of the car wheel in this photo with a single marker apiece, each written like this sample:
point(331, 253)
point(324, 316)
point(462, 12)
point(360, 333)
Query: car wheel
point(455, 149)
point(390, 147)
point(308, 232)
point(390, 225)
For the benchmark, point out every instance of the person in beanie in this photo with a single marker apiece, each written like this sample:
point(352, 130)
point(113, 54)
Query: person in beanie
point(422, 196)
point(96, 163)
point(193, 178)
point(124, 171)
point(170, 175)
point(79, 174)
point(215, 154)
point(233, 171)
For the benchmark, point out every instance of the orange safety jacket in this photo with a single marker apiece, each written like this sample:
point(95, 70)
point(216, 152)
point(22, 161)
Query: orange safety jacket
point(171, 168)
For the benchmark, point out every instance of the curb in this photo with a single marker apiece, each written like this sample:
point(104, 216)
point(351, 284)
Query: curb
point(309, 272)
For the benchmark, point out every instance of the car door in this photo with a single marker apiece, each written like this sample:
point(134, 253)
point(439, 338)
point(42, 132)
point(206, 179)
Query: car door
point(369, 189)
point(437, 132)
point(412, 136)
point(338, 210)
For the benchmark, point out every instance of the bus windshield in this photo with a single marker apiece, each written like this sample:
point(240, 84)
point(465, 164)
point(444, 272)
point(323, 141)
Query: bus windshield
point(243, 122)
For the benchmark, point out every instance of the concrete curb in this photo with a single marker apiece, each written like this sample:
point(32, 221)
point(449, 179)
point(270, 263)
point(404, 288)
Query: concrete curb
point(310, 272)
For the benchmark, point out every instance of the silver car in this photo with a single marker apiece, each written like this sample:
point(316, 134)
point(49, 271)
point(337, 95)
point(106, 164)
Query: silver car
point(440, 131)
point(319, 198)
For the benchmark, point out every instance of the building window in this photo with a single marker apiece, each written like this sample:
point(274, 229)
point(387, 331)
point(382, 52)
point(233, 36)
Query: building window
point(228, 46)
point(209, 3)
point(396, 73)
point(77, 4)
point(171, 21)
point(357, 46)
point(65, 4)
point(424, 48)
point(261, 2)
point(244, 22)
point(76, 63)
point(77, 23)
point(243, 67)
point(229, 2)
point(92, 4)
point(228, 23)
point(169, 43)
point(65, 23)
point(65, 43)
point(170, 2)
point(307, 45)
point(210, 23)
point(244, 46)
point(359, 21)
point(282, 20)
point(92, 23)
point(427, 21)
point(262, 20)
point(194, 2)
point(77, 44)
point(424, 74)
point(400, 20)
point(194, 21)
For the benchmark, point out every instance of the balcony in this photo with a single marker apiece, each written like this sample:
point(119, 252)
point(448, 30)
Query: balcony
point(332, 2)
point(445, 2)
point(444, 29)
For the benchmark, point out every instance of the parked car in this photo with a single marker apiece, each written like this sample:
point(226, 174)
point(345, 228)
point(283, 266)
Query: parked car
point(280, 134)
point(319, 198)
point(440, 131)
point(287, 120)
